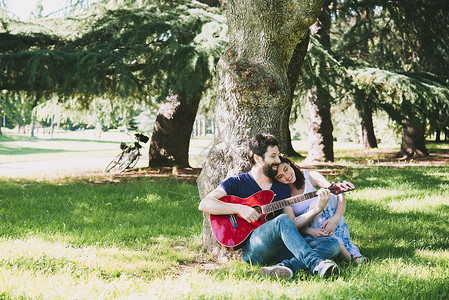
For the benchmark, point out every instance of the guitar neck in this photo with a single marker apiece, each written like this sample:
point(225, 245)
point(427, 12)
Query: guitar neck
point(277, 205)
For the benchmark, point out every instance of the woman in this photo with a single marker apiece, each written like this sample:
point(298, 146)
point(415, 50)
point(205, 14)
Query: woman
point(328, 222)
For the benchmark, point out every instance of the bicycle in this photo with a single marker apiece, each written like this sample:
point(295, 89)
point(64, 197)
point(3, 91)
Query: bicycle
point(129, 156)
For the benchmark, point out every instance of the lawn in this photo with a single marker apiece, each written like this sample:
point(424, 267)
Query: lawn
point(140, 237)
point(17, 148)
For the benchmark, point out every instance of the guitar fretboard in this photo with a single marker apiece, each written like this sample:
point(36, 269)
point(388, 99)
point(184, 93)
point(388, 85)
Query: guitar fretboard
point(277, 205)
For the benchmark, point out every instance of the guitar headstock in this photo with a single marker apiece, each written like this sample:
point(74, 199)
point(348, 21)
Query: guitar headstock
point(337, 188)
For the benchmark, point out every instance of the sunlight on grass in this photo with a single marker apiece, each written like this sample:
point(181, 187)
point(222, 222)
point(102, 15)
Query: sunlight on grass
point(63, 285)
point(403, 269)
point(377, 194)
point(424, 203)
point(437, 257)
point(54, 149)
point(110, 262)
point(141, 238)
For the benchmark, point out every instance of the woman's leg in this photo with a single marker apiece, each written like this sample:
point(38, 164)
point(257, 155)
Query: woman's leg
point(344, 254)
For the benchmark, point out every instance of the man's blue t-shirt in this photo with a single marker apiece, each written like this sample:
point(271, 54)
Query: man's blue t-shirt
point(244, 185)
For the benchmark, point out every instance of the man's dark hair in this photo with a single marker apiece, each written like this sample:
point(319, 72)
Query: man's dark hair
point(259, 145)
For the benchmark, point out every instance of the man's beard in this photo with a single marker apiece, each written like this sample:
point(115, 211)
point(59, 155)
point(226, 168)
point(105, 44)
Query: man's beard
point(270, 170)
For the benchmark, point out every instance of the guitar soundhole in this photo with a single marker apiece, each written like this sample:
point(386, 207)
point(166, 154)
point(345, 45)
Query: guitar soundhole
point(270, 216)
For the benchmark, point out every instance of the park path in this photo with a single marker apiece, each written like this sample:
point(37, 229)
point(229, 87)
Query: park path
point(66, 154)
point(58, 167)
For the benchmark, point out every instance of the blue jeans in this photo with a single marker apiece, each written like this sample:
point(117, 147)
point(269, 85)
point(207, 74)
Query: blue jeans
point(278, 240)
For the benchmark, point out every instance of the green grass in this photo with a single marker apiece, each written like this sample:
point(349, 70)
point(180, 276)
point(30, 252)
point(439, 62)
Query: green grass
point(129, 215)
point(15, 138)
point(19, 148)
point(94, 237)
point(88, 239)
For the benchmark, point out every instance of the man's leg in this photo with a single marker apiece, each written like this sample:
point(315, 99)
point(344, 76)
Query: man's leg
point(325, 248)
point(273, 238)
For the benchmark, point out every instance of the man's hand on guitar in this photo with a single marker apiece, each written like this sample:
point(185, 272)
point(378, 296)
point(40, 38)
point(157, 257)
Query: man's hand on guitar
point(248, 213)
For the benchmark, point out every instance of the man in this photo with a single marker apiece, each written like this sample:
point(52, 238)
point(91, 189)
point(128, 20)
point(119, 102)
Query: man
point(277, 241)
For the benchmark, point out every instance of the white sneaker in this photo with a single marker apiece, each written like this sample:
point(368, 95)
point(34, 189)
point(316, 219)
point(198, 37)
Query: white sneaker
point(278, 271)
point(326, 268)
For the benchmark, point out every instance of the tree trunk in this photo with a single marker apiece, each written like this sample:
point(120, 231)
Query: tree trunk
point(171, 134)
point(321, 142)
point(366, 114)
point(438, 136)
point(413, 143)
point(33, 124)
point(369, 138)
point(293, 72)
point(290, 150)
point(253, 90)
point(320, 129)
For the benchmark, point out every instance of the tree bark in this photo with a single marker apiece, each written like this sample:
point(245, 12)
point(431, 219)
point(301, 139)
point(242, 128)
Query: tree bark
point(366, 114)
point(253, 90)
point(413, 143)
point(321, 140)
point(170, 140)
point(369, 138)
point(438, 136)
point(293, 73)
point(320, 129)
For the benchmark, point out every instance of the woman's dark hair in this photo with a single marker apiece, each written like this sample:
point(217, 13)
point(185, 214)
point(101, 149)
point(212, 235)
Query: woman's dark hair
point(299, 176)
point(259, 145)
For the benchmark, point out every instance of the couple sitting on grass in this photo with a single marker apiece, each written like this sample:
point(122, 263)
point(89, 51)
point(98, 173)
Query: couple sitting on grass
point(279, 242)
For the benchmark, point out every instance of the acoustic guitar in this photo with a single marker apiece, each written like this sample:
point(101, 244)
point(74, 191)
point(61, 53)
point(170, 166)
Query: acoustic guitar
point(232, 230)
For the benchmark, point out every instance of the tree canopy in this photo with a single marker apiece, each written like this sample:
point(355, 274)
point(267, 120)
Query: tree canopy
point(128, 53)
point(384, 54)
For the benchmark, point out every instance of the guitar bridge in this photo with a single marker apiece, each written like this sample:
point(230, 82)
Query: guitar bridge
point(233, 220)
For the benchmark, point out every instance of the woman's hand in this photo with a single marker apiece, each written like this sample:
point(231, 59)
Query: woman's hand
point(315, 232)
point(329, 225)
point(323, 197)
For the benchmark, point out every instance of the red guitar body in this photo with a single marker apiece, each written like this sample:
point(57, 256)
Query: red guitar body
point(231, 230)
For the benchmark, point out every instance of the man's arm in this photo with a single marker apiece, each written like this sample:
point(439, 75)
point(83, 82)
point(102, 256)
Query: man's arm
point(212, 204)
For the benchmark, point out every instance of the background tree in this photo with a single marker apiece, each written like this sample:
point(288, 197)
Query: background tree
point(162, 50)
point(319, 98)
point(398, 38)
point(189, 66)
point(365, 37)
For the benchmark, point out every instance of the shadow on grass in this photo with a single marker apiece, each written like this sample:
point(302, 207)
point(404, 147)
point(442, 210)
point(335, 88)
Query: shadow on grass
point(134, 214)
point(383, 233)
point(418, 178)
